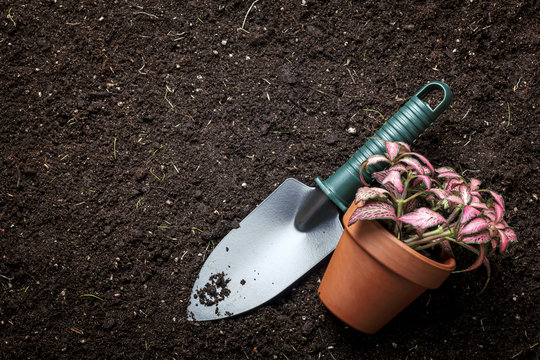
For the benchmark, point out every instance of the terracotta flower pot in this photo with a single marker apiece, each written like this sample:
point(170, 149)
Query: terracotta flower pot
point(372, 276)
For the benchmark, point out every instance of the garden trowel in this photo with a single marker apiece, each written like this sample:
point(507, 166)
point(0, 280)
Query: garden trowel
point(295, 227)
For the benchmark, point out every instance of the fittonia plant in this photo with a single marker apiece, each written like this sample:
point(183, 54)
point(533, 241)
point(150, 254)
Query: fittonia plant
point(430, 207)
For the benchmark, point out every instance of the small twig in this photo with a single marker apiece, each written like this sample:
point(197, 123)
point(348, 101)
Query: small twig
point(177, 36)
point(350, 73)
point(508, 105)
point(157, 177)
point(92, 296)
point(167, 90)
point(375, 111)
point(517, 85)
point(159, 148)
point(18, 176)
point(470, 136)
point(114, 148)
point(247, 13)
point(142, 67)
point(145, 13)
point(184, 254)
point(10, 17)
point(467, 113)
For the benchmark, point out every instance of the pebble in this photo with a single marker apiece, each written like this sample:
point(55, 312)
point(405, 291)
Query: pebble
point(331, 139)
point(351, 130)
point(244, 185)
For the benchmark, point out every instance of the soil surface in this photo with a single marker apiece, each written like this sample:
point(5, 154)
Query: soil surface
point(135, 137)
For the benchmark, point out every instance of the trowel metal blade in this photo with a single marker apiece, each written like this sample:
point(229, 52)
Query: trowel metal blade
point(289, 233)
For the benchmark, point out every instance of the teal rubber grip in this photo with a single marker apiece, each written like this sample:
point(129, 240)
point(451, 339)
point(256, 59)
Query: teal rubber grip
point(411, 120)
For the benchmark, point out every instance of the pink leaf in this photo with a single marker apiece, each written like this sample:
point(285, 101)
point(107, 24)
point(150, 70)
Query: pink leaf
point(367, 193)
point(446, 195)
point(511, 234)
point(399, 168)
point(476, 197)
point(373, 211)
point(454, 199)
point(394, 178)
point(480, 238)
point(444, 169)
point(479, 205)
point(507, 236)
point(469, 213)
point(376, 159)
point(423, 178)
point(424, 160)
point(498, 198)
point(475, 184)
point(393, 149)
point(441, 194)
point(404, 145)
point(449, 175)
point(453, 183)
point(410, 206)
point(504, 241)
point(465, 194)
point(499, 212)
point(490, 214)
point(414, 164)
point(474, 226)
point(423, 218)
point(380, 175)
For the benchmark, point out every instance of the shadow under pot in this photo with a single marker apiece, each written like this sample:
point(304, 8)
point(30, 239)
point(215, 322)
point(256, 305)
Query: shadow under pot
point(372, 276)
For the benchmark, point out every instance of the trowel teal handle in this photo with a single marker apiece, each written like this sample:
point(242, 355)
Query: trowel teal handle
point(406, 125)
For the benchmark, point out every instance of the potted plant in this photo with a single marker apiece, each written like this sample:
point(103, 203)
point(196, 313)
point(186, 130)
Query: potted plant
point(398, 237)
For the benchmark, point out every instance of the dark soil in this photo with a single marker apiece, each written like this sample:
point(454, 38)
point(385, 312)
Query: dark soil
point(128, 133)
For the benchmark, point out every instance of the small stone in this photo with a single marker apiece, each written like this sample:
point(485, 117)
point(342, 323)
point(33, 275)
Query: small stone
point(223, 42)
point(215, 52)
point(351, 130)
point(244, 185)
point(331, 139)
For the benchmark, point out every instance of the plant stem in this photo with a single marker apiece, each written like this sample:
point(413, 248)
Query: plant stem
point(454, 213)
point(429, 245)
point(440, 233)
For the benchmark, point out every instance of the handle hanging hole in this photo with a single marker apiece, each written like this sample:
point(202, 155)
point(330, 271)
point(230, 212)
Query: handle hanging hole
point(433, 97)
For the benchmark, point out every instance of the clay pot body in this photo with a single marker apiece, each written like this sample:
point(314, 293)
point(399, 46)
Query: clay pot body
point(372, 276)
